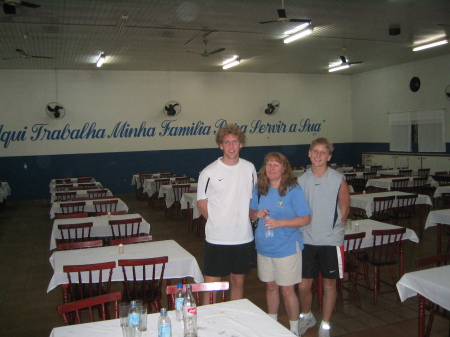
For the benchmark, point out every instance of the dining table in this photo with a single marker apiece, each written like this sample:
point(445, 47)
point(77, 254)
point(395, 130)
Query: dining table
point(71, 180)
point(100, 226)
point(182, 264)
point(439, 218)
point(79, 194)
point(432, 284)
point(440, 190)
point(166, 192)
point(54, 187)
point(386, 183)
point(90, 207)
point(150, 185)
point(5, 190)
point(239, 318)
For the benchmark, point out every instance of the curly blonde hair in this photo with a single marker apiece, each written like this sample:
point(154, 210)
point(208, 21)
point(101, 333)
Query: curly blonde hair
point(287, 179)
point(230, 129)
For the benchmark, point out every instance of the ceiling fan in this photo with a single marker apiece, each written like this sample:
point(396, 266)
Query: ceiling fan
point(9, 6)
point(24, 54)
point(206, 53)
point(282, 17)
point(346, 62)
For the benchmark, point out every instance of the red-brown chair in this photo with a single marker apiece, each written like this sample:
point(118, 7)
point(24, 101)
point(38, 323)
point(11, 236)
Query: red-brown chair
point(80, 245)
point(124, 228)
point(67, 310)
point(105, 205)
point(197, 289)
point(131, 240)
point(71, 215)
point(73, 207)
point(65, 196)
point(178, 190)
point(75, 232)
point(95, 194)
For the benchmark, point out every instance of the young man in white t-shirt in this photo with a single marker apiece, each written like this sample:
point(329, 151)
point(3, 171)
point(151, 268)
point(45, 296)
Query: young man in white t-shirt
point(223, 198)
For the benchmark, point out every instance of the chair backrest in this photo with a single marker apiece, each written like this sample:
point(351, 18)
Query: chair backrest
point(433, 261)
point(369, 175)
point(442, 180)
point(198, 288)
point(73, 207)
point(375, 168)
point(405, 173)
point(65, 310)
point(141, 280)
point(423, 173)
point(178, 190)
point(143, 176)
point(352, 245)
point(94, 194)
point(80, 245)
point(124, 228)
point(86, 186)
point(165, 174)
point(65, 196)
point(87, 280)
point(399, 184)
point(386, 244)
point(382, 207)
point(75, 232)
point(182, 180)
point(84, 180)
point(359, 168)
point(443, 173)
point(71, 215)
point(105, 205)
point(159, 182)
point(131, 240)
point(63, 187)
point(406, 201)
point(349, 176)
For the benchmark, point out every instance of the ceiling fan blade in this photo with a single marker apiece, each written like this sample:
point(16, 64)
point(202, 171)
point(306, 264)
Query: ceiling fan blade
point(264, 22)
point(30, 5)
point(8, 9)
point(10, 58)
point(42, 57)
point(22, 52)
point(299, 20)
point(217, 51)
point(282, 13)
point(355, 62)
point(343, 59)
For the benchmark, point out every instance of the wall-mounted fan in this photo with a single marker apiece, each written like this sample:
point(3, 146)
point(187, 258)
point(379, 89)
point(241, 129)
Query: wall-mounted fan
point(282, 17)
point(172, 108)
point(272, 108)
point(9, 6)
point(55, 110)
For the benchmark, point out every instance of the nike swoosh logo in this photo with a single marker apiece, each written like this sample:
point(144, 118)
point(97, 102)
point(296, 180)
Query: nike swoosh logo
point(332, 271)
point(317, 184)
point(221, 179)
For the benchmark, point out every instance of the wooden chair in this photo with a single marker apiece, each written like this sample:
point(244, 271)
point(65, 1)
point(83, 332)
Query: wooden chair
point(95, 194)
point(80, 245)
point(139, 190)
point(131, 240)
point(423, 173)
point(178, 190)
point(375, 168)
point(442, 180)
point(165, 174)
point(405, 173)
point(75, 308)
point(197, 289)
point(384, 252)
point(84, 180)
point(87, 280)
point(65, 196)
point(155, 200)
point(352, 246)
point(71, 215)
point(62, 181)
point(406, 208)
point(359, 168)
point(420, 186)
point(400, 184)
point(124, 228)
point(63, 187)
point(182, 180)
point(75, 232)
point(141, 281)
point(112, 213)
point(87, 186)
point(433, 262)
point(73, 207)
point(382, 208)
point(105, 205)
point(142, 177)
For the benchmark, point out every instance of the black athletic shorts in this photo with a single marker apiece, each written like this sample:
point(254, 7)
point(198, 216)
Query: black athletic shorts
point(222, 260)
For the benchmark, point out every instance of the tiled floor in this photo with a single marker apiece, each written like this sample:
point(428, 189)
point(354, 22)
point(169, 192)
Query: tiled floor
point(27, 309)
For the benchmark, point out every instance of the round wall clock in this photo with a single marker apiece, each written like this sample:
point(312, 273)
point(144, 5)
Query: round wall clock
point(414, 84)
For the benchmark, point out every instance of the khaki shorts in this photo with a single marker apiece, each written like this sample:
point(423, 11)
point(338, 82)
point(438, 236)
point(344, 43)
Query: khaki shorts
point(285, 271)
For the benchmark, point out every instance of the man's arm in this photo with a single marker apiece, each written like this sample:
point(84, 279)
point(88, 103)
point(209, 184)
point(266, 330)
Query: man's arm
point(202, 206)
point(344, 200)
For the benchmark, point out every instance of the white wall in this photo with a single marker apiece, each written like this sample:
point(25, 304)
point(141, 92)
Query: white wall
point(107, 98)
point(377, 93)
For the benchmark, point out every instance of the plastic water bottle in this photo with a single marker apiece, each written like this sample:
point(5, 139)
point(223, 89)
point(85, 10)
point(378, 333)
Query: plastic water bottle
point(268, 231)
point(134, 316)
point(164, 324)
point(189, 313)
point(179, 299)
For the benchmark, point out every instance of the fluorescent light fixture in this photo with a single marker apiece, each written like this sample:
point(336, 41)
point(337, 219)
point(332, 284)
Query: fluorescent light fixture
point(297, 36)
point(231, 64)
point(121, 24)
point(101, 59)
point(431, 45)
point(345, 66)
point(231, 59)
point(297, 28)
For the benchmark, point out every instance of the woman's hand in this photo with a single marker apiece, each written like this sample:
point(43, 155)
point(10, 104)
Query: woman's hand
point(271, 223)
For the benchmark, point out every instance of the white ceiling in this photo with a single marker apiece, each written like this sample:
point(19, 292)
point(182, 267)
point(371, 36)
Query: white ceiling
point(158, 33)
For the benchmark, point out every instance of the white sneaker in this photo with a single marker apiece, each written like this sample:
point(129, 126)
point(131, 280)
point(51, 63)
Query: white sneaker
point(305, 324)
point(324, 332)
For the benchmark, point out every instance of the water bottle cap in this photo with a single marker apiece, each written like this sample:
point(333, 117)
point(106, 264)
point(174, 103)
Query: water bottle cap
point(133, 304)
point(179, 286)
point(163, 311)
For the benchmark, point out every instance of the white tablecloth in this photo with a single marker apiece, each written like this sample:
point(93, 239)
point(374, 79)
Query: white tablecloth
point(150, 186)
point(168, 192)
point(365, 201)
point(297, 173)
point(56, 208)
point(72, 181)
point(440, 216)
point(190, 198)
point(433, 284)
point(440, 190)
point(240, 318)
point(386, 183)
point(100, 228)
point(53, 186)
point(5, 190)
point(181, 262)
point(80, 194)
point(344, 169)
